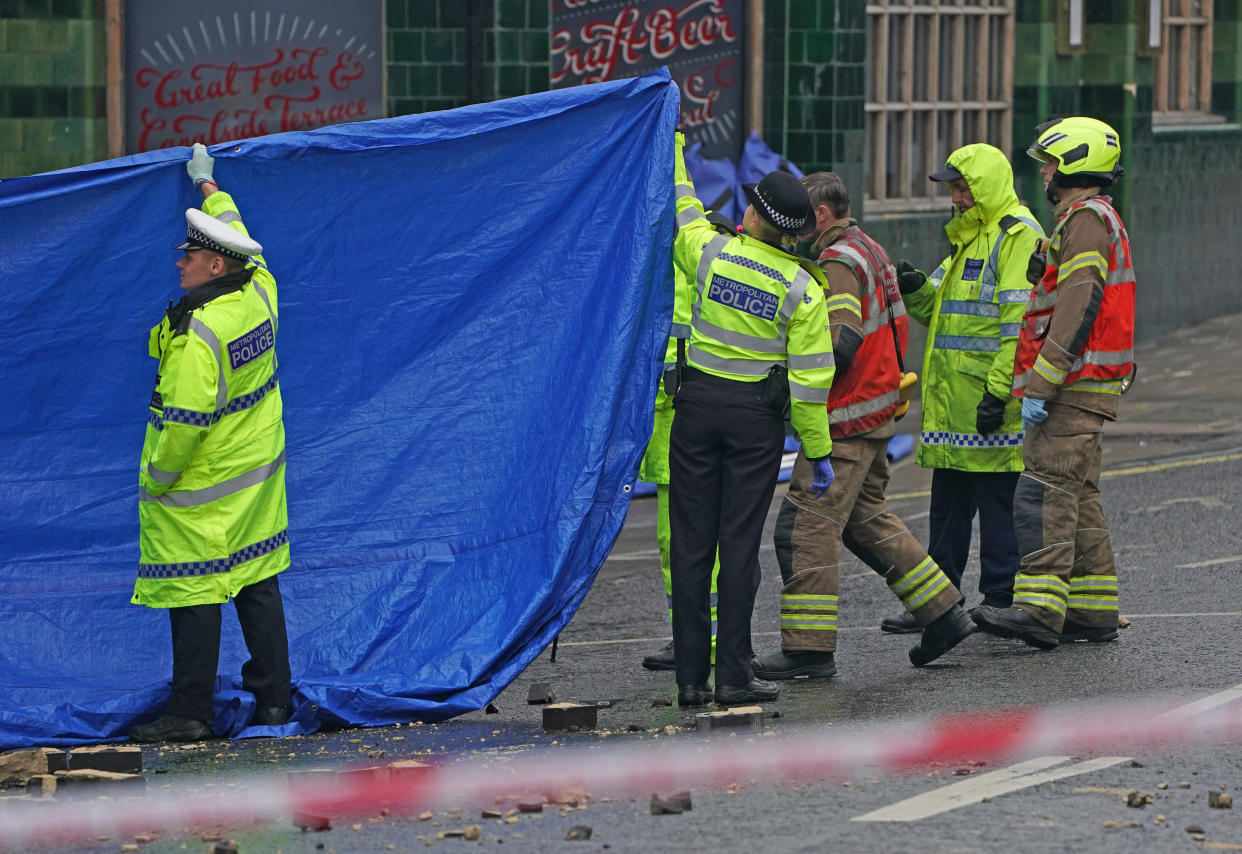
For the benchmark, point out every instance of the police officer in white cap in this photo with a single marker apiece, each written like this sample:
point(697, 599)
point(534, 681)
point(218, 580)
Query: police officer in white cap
point(212, 515)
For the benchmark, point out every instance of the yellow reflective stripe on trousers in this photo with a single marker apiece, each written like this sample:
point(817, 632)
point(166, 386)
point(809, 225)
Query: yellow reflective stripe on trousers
point(1093, 592)
point(1041, 591)
point(797, 608)
point(918, 586)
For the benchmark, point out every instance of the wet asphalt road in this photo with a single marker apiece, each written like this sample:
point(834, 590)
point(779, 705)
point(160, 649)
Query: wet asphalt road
point(1172, 488)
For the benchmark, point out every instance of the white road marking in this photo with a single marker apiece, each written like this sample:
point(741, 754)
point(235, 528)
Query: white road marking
point(1213, 562)
point(1020, 776)
point(1033, 772)
point(1205, 703)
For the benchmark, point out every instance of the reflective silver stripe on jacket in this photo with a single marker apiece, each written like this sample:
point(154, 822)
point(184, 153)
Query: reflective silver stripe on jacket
point(738, 339)
point(810, 361)
point(710, 252)
point(966, 342)
point(741, 367)
point(687, 216)
point(228, 216)
point(1103, 358)
point(680, 330)
point(262, 292)
point(197, 497)
point(203, 331)
point(973, 308)
point(863, 408)
point(806, 393)
point(991, 271)
point(161, 476)
point(1041, 301)
point(797, 290)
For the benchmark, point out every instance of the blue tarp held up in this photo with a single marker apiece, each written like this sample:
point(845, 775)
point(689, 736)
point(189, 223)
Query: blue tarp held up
point(474, 307)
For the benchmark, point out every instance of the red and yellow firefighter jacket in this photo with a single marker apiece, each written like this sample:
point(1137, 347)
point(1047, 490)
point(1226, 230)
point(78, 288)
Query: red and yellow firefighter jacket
point(1077, 339)
point(865, 395)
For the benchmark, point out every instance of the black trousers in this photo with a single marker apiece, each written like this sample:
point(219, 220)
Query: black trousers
point(955, 498)
point(724, 458)
point(196, 651)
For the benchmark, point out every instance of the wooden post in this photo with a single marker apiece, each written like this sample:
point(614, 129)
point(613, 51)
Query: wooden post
point(754, 73)
point(114, 75)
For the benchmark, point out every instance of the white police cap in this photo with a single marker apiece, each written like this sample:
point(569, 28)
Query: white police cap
point(206, 232)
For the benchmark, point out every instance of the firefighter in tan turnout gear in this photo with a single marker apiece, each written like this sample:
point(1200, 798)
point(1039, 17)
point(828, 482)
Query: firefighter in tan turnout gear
point(868, 326)
point(1075, 353)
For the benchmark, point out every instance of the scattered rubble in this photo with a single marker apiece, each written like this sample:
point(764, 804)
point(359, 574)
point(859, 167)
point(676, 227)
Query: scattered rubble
point(738, 717)
point(310, 821)
point(578, 831)
point(1220, 800)
point(540, 693)
point(123, 758)
point(559, 717)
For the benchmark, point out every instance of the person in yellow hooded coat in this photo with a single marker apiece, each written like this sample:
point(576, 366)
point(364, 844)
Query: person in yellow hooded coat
point(213, 524)
point(971, 434)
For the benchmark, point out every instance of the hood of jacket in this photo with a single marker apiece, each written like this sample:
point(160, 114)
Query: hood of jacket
point(990, 178)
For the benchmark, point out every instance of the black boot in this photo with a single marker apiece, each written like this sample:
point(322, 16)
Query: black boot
point(662, 660)
point(271, 716)
point(694, 695)
point(795, 665)
point(944, 633)
point(755, 691)
point(903, 624)
point(171, 728)
point(1072, 631)
point(1015, 623)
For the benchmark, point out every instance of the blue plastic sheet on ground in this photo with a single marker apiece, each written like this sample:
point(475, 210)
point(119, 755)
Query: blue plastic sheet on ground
point(474, 306)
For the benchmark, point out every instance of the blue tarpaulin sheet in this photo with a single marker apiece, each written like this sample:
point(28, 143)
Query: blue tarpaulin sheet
point(474, 306)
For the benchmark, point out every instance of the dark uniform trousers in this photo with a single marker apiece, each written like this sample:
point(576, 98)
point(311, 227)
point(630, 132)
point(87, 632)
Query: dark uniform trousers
point(808, 537)
point(1067, 567)
point(724, 458)
point(196, 651)
point(955, 498)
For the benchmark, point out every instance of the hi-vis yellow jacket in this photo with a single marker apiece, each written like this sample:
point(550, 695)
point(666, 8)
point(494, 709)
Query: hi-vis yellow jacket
point(753, 306)
point(211, 497)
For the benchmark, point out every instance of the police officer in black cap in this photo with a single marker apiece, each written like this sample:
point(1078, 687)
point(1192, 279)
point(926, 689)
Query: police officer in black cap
point(756, 346)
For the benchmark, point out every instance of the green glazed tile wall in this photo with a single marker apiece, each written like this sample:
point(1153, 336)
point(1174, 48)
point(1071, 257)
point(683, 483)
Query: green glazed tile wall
point(52, 112)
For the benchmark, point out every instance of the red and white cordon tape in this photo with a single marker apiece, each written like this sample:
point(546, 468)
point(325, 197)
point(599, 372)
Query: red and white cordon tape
point(797, 754)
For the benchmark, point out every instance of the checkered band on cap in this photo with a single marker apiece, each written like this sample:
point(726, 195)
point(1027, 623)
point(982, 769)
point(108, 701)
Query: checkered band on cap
point(203, 231)
point(198, 238)
point(788, 223)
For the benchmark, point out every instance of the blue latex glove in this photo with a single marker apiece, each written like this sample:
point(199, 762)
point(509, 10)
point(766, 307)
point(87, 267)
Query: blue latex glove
point(823, 477)
point(200, 164)
point(1033, 411)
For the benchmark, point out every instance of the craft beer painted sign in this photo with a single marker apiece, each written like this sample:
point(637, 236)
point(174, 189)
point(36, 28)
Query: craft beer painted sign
point(701, 41)
point(222, 71)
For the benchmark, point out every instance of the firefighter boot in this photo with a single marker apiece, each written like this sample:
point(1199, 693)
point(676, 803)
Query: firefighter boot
point(1015, 623)
point(795, 665)
point(1072, 631)
point(944, 633)
point(904, 623)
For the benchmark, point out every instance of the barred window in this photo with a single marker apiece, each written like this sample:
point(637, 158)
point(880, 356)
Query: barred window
point(940, 76)
point(1183, 81)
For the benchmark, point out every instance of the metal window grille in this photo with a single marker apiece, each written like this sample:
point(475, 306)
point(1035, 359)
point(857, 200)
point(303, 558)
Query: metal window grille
point(940, 76)
point(1183, 84)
